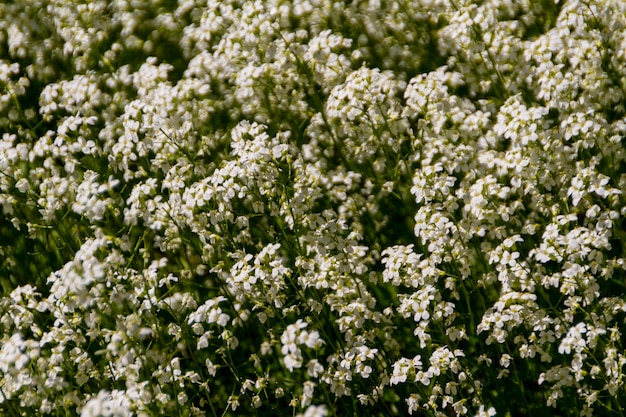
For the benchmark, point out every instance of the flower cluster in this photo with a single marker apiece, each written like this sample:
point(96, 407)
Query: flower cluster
point(312, 207)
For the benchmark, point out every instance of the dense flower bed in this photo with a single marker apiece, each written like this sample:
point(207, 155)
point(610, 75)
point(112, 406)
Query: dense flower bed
point(312, 207)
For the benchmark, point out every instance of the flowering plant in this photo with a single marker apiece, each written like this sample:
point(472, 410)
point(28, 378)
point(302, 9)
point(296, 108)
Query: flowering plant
point(312, 207)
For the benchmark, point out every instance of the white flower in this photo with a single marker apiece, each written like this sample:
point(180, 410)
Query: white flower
point(314, 368)
point(574, 339)
point(314, 411)
point(293, 360)
point(108, 404)
point(403, 368)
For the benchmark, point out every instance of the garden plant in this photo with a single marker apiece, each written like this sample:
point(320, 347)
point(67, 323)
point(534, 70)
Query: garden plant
point(312, 208)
